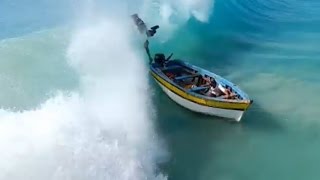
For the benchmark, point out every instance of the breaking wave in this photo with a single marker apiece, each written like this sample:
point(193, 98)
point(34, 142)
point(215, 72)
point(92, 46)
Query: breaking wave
point(102, 129)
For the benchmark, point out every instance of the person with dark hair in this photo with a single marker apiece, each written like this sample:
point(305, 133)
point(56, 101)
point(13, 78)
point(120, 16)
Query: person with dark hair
point(216, 90)
point(219, 91)
point(228, 93)
point(213, 90)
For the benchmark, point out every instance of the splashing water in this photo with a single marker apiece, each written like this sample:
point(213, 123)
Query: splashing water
point(101, 132)
point(171, 15)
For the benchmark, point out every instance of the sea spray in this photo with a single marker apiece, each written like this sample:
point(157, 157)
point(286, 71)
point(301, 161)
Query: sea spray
point(171, 15)
point(115, 88)
point(104, 131)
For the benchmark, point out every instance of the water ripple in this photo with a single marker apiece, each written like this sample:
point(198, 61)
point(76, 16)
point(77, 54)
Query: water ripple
point(257, 12)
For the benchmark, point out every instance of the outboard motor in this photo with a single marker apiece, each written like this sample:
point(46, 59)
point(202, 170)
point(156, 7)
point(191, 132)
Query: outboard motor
point(160, 59)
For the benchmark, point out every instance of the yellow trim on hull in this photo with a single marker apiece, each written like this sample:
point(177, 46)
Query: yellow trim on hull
point(206, 102)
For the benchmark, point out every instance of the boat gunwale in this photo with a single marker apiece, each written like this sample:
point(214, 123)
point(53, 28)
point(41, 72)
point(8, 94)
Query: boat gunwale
point(217, 78)
point(246, 99)
point(246, 105)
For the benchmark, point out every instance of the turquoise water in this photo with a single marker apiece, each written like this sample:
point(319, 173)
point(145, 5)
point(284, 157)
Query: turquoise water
point(270, 50)
point(61, 116)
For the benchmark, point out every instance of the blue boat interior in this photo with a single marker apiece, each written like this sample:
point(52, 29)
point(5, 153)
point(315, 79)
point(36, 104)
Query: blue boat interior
point(195, 80)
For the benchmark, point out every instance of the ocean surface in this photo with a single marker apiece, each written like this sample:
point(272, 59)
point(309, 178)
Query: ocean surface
point(77, 102)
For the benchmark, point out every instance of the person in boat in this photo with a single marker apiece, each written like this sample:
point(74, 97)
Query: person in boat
point(217, 90)
point(170, 75)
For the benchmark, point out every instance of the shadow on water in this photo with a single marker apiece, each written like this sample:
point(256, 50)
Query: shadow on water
point(192, 138)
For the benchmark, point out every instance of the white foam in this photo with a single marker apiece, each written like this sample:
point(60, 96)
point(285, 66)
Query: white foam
point(104, 131)
point(172, 14)
point(179, 10)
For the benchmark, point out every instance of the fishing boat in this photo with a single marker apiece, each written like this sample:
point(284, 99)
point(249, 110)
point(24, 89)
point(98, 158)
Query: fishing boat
point(184, 83)
point(192, 87)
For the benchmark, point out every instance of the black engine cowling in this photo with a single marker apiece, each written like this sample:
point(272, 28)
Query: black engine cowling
point(159, 58)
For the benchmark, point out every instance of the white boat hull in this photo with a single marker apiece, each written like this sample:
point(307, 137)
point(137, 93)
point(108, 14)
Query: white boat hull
point(225, 113)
